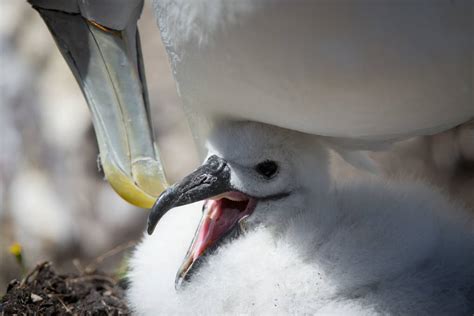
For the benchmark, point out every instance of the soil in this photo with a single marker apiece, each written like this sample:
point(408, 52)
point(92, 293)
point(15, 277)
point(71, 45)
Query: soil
point(44, 292)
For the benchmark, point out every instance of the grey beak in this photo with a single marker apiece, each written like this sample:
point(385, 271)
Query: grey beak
point(209, 180)
point(100, 42)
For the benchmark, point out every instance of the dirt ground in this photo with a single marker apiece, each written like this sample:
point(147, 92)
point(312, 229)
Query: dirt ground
point(45, 292)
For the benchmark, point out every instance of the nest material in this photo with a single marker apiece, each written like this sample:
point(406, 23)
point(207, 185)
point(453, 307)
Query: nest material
point(44, 292)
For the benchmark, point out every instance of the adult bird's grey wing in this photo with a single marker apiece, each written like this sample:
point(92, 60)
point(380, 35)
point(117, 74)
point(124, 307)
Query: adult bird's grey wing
point(100, 42)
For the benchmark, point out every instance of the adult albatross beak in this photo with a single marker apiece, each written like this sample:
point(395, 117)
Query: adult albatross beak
point(100, 42)
point(223, 210)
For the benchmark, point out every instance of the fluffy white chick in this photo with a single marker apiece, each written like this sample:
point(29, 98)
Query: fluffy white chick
point(310, 244)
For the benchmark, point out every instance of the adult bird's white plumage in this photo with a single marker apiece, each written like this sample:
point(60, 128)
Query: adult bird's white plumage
point(312, 244)
point(364, 70)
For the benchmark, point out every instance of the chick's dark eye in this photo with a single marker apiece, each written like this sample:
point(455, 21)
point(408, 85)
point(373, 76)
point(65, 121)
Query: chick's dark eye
point(267, 168)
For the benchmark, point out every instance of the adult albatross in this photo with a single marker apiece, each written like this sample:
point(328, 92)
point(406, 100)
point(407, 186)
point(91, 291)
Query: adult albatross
point(359, 71)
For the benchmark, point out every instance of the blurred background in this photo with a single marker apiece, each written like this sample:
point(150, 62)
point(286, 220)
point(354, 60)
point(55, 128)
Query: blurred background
point(54, 200)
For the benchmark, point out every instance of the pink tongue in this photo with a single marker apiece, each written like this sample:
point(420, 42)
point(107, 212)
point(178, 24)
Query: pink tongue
point(217, 221)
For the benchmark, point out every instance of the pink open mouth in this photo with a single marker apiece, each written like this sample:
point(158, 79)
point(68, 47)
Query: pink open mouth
point(221, 214)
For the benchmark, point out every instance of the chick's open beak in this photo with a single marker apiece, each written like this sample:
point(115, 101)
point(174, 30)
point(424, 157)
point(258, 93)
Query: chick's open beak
point(223, 210)
point(100, 42)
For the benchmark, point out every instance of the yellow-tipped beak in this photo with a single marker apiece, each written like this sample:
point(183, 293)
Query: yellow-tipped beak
point(108, 66)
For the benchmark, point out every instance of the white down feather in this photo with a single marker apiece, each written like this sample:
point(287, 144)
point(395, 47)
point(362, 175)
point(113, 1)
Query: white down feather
point(365, 246)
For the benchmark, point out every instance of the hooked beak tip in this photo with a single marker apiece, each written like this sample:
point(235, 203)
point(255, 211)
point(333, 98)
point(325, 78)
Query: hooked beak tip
point(163, 204)
point(151, 224)
point(150, 229)
point(155, 215)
